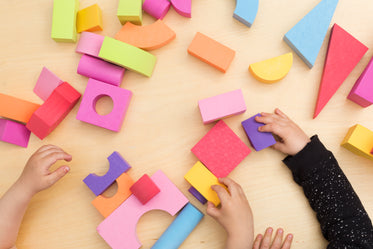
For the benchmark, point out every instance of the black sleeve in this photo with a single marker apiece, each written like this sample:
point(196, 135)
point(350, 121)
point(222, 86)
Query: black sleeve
point(343, 219)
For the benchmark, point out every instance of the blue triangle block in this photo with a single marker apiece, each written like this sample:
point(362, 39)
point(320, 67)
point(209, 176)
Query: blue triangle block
point(307, 36)
point(246, 11)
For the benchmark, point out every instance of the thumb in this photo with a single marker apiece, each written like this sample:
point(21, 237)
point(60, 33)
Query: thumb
point(212, 210)
point(58, 174)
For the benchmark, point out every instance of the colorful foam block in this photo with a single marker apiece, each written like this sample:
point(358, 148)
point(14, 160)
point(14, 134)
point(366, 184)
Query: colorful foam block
point(98, 69)
point(14, 133)
point(183, 7)
point(64, 20)
point(149, 37)
point(89, 19)
point(90, 44)
point(180, 228)
point(211, 52)
point(359, 140)
point(272, 70)
point(127, 56)
point(94, 91)
point(46, 84)
point(197, 195)
point(107, 205)
point(156, 8)
point(119, 229)
point(344, 53)
point(144, 189)
point(223, 105)
point(117, 166)
point(130, 11)
point(16, 109)
point(246, 11)
point(362, 92)
point(220, 150)
point(307, 36)
point(259, 140)
point(50, 114)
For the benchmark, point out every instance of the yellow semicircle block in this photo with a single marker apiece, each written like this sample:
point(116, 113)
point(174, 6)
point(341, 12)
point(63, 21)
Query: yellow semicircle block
point(272, 70)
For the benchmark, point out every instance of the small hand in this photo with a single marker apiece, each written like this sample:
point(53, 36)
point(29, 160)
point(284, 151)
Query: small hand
point(277, 243)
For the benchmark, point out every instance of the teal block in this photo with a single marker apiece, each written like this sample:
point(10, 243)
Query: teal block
point(64, 20)
point(246, 11)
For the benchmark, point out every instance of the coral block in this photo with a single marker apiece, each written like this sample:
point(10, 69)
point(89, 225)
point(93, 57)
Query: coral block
point(89, 19)
point(246, 11)
point(130, 11)
point(90, 44)
point(64, 20)
point(16, 109)
point(362, 92)
point(46, 84)
point(14, 133)
point(144, 189)
point(183, 7)
point(197, 195)
point(156, 8)
point(359, 140)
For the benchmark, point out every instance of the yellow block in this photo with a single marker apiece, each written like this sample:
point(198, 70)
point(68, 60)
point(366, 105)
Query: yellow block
point(202, 180)
point(272, 70)
point(359, 140)
point(89, 19)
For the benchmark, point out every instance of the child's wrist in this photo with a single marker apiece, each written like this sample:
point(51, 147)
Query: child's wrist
point(23, 189)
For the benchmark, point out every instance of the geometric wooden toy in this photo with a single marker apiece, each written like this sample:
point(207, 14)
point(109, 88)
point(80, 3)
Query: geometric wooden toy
point(211, 52)
point(156, 8)
point(144, 189)
point(89, 43)
point(64, 20)
point(117, 166)
point(119, 228)
point(272, 70)
point(359, 140)
point(130, 11)
point(362, 92)
point(223, 105)
point(197, 195)
point(14, 133)
point(246, 11)
point(307, 36)
point(183, 7)
point(343, 55)
point(46, 83)
point(89, 19)
point(220, 150)
point(16, 109)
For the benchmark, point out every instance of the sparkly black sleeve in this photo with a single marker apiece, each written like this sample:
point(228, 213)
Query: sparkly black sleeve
point(343, 219)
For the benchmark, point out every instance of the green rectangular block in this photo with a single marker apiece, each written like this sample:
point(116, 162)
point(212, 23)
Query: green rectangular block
point(64, 20)
point(130, 11)
point(127, 56)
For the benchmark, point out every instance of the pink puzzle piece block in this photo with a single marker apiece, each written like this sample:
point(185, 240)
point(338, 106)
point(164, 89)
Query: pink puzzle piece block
point(183, 7)
point(156, 8)
point(89, 43)
point(46, 84)
point(119, 228)
point(14, 133)
point(362, 92)
point(101, 70)
point(94, 91)
point(223, 105)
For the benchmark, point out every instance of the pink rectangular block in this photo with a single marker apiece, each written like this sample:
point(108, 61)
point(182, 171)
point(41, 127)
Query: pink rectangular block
point(362, 92)
point(46, 83)
point(223, 105)
point(14, 133)
point(89, 43)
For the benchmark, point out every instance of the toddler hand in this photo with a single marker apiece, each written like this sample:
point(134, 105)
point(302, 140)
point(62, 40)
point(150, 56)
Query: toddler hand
point(292, 138)
point(277, 243)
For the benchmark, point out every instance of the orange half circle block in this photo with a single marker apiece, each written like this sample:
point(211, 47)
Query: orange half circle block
point(149, 37)
point(272, 70)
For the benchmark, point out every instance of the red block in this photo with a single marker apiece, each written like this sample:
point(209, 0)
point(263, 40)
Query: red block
point(45, 119)
point(344, 52)
point(144, 189)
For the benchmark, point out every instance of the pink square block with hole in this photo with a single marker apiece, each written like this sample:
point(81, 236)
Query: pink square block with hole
point(46, 84)
point(14, 133)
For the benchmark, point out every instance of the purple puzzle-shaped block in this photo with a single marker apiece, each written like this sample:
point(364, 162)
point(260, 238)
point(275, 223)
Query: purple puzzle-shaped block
point(198, 195)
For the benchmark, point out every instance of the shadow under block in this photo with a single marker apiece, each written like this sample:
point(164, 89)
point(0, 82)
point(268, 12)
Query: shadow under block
point(101, 70)
point(144, 189)
point(344, 53)
point(64, 20)
point(89, 19)
point(107, 205)
point(150, 37)
point(211, 52)
point(96, 90)
point(362, 92)
point(117, 166)
point(259, 140)
point(221, 150)
point(272, 70)
point(359, 140)
point(50, 114)
point(246, 11)
point(156, 8)
point(14, 133)
point(186, 221)
point(46, 84)
point(127, 56)
point(307, 36)
point(130, 11)
point(183, 7)
point(89, 44)
point(197, 195)
point(221, 106)
point(16, 109)
point(119, 228)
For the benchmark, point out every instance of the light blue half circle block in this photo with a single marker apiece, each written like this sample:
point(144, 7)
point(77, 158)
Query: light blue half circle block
point(246, 11)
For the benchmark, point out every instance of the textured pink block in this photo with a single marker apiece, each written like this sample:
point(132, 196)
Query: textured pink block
point(14, 133)
point(46, 83)
point(183, 7)
point(119, 229)
point(101, 70)
point(94, 91)
point(223, 105)
point(89, 43)
point(362, 92)
point(156, 8)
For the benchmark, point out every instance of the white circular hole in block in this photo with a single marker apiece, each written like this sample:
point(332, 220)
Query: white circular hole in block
point(103, 105)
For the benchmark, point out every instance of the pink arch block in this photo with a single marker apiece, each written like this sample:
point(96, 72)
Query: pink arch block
point(183, 7)
point(89, 43)
point(156, 8)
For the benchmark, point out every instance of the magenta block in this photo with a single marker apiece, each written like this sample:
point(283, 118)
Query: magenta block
point(89, 43)
point(362, 92)
point(14, 133)
point(156, 8)
point(46, 84)
point(94, 91)
point(101, 70)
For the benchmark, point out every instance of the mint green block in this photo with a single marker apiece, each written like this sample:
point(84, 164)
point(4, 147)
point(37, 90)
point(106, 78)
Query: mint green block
point(130, 11)
point(64, 20)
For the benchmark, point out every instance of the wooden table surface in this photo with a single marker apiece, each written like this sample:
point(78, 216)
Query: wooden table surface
point(163, 120)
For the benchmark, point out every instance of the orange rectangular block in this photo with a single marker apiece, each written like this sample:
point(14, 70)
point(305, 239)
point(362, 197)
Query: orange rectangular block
point(16, 109)
point(211, 52)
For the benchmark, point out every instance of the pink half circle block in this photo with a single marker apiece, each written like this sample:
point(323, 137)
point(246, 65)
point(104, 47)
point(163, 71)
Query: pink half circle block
point(183, 7)
point(89, 43)
point(156, 8)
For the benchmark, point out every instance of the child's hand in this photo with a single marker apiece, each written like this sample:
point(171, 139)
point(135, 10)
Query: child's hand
point(292, 138)
point(265, 242)
point(234, 214)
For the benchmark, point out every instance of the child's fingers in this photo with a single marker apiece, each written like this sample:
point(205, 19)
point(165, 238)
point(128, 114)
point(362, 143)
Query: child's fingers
point(54, 157)
point(258, 241)
point(277, 241)
point(266, 242)
point(265, 119)
point(46, 147)
point(287, 243)
point(233, 187)
point(279, 112)
point(279, 146)
point(212, 210)
point(273, 128)
point(57, 174)
point(222, 192)
point(49, 151)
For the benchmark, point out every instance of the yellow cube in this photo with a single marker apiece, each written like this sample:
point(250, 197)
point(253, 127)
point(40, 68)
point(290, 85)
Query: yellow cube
point(89, 19)
point(359, 140)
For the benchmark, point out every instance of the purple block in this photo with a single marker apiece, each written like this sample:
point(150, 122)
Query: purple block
point(14, 133)
point(197, 194)
point(362, 92)
point(99, 184)
point(259, 140)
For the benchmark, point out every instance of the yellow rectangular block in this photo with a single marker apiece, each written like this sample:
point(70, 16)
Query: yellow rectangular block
point(64, 20)
point(130, 11)
point(89, 19)
point(359, 140)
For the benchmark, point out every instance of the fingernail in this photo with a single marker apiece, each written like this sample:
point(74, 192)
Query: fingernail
point(280, 231)
point(66, 169)
point(270, 230)
point(290, 236)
